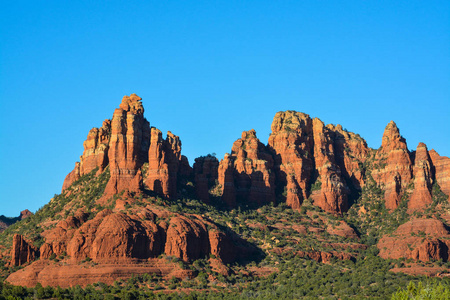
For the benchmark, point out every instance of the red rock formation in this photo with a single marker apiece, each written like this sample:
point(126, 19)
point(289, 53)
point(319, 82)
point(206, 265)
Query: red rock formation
point(310, 155)
point(292, 143)
point(66, 274)
point(25, 214)
point(226, 180)
point(394, 173)
point(128, 146)
point(350, 151)
point(442, 171)
point(164, 158)
point(332, 196)
point(423, 181)
point(187, 239)
point(325, 257)
point(73, 176)
point(205, 176)
point(418, 239)
point(247, 171)
point(344, 230)
point(293, 193)
point(114, 236)
point(95, 153)
point(22, 251)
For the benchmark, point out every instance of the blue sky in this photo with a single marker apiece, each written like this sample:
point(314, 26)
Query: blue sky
point(207, 70)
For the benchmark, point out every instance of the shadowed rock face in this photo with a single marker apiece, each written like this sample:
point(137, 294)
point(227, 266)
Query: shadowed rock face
point(395, 171)
point(205, 176)
point(22, 251)
point(164, 163)
point(245, 174)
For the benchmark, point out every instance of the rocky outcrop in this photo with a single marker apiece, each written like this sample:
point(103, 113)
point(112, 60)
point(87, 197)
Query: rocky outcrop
point(325, 257)
point(343, 230)
point(332, 195)
point(205, 176)
point(25, 214)
point(315, 160)
point(165, 159)
point(442, 171)
point(418, 239)
point(226, 180)
point(351, 151)
point(394, 171)
point(65, 274)
point(245, 174)
point(5, 222)
point(423, 180)
point(112, 236)
point(73, 176)
point(22, 251)
point(95, 153)
point(128, 146)
point(292, 143)
point(187, 239)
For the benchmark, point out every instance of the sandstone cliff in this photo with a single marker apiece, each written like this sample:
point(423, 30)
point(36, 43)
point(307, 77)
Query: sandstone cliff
point(395, 167)
point(246, 174)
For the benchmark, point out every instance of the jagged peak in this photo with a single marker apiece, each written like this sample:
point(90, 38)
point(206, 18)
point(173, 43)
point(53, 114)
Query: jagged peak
point(391, 136)
point(248, 134)
point(132, 104)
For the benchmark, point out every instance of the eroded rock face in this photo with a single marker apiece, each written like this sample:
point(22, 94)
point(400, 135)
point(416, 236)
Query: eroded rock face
point(22, 251)
point(95, 153)
point(205, 176)
point(246, 174)
point(315, 160)
point(128, 146)
point(395, 167)
point(332, 195)
point(112, 236)
point(351, 151)
point(418, 239)
point(73, 176)
point(442, 170)
point(423, 180)
point(292, 143)
point(164, 158)
point(187, 239)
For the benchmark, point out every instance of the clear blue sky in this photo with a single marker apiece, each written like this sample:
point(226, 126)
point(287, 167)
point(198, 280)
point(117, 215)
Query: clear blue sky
point(207, 70)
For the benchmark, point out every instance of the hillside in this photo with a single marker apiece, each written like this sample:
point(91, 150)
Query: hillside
point(313, 212)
